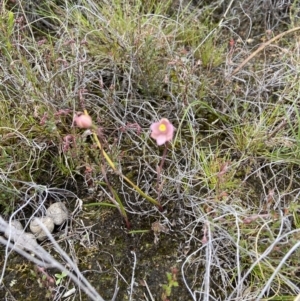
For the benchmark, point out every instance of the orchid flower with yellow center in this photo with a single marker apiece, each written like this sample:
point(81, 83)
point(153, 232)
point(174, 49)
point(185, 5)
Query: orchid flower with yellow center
point(162, 131)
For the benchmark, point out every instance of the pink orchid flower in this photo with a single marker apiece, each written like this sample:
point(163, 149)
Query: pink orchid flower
point(162, 131)
point(83, 121)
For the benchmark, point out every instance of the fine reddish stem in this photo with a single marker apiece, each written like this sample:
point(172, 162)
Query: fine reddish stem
point(159, 169)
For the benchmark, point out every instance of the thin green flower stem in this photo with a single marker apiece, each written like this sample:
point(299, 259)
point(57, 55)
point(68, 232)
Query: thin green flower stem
point(112, 165)
point(147, 197)
point(115, 198)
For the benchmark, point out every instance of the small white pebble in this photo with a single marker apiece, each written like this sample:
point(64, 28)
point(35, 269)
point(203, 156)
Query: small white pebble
point(58, 212)
point(26, 241)
point(36, 228)
point(22, 240)
point(12, 227)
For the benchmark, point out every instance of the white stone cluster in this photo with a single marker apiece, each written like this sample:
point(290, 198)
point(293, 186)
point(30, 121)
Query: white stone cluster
point(56, 214)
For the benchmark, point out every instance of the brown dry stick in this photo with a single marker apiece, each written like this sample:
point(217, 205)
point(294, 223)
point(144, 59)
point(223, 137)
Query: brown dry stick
point(252, 55)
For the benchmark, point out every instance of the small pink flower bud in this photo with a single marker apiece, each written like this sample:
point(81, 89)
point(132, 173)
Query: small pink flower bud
point(162, 131)
point(83, 121)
